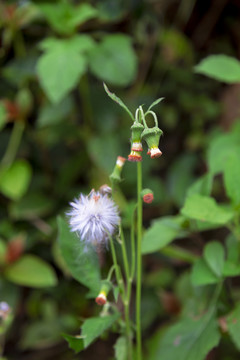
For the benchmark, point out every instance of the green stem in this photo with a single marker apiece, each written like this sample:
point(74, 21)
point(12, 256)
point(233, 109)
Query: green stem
point(139, 261)
point(14, 143)
point(133, 247)
point(128, 295)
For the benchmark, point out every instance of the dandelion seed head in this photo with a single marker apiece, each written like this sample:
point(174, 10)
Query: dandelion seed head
point(93, 217)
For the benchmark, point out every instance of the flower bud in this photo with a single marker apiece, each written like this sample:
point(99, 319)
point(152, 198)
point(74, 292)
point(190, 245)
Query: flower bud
point(105, 190)
point(101, 299)
point(116, 174)
point(137, 130)
point(152, 136)
point(134, 156)
point(147, 196)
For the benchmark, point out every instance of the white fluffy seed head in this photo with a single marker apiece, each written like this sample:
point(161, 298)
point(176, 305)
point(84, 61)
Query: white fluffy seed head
point(93, 218)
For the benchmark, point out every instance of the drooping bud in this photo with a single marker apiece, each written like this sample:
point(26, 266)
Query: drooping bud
point(137, 130)
point(105, 190)
point(134, 156)
point(136, 144)
point(147, 196)
point(116, 174)
point(101, 299)
point(152, 136)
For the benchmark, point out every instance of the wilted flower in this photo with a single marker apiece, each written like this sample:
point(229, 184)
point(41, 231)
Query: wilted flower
point(93, 217)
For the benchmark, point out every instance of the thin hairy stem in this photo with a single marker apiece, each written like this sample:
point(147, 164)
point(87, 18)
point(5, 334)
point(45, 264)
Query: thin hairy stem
point(128, 295)
point(139, 262)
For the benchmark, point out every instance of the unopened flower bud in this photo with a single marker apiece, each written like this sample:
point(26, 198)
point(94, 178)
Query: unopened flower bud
point(101, 299)
point(147, 196)
point(116, 174)
point(152, 136)
point(137, 130)
point(105, 190)
point(134, 156)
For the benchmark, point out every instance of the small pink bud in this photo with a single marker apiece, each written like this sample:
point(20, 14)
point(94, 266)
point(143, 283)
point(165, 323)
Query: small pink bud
point(148, 198)
point(120, 161)
point(101, 299)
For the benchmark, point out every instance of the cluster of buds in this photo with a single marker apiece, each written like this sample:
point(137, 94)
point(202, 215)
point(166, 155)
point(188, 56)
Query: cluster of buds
point(142, 132)
point(115, 177)
point(101, 299)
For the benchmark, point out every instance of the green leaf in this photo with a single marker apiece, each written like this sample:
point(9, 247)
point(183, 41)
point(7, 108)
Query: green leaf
point(120, 348)
point(94, 327)
point(204, 208)
point(118, 101)
point(220, 151)
point(31, 271)
point(231, 269)
point(187, 340)
point(220, 67)
point(14, 180)
point(64, 18)
point(202, 274)
point(201, 186)
point(233, 324)
point(214, 257)
point(75, 343)
point(232, 178)
point(114, 60)
point(161, 233)
point(154, 104)
point(83, 264)
point(3, 116)
point(62, 65)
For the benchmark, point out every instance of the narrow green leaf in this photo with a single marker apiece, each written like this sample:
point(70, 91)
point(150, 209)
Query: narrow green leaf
point(74, 342)
point(214, 257)
point(232, 178)
point(187, 340)
point(233, 324)
point(94, 327)
point(120, 348)
point(220, 67)
point(202, 274)
point(83, 264)
point(154, 104)
point(161, 233)
point(205, 208)
point(14, 180)
point(31, 271)
point(118, 101)
point(113, 60)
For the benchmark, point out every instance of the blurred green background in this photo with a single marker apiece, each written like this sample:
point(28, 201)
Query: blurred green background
point(60, 135)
